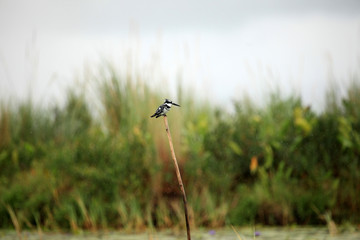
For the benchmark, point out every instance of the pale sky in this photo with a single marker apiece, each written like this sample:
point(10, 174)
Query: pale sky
point(223, 49)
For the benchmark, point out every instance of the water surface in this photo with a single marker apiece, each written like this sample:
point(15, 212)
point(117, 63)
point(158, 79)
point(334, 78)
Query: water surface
point(308, 233)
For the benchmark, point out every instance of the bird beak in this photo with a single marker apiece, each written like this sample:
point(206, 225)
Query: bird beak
point(176, 104)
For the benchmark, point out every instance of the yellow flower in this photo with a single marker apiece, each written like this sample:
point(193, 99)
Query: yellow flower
point(253, 164)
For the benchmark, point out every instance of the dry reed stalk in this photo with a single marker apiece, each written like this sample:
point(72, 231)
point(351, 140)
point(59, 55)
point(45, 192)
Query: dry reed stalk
point(15, 220)
point(181, 185)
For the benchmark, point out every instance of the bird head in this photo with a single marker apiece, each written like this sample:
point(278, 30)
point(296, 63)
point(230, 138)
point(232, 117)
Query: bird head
point(167, 101)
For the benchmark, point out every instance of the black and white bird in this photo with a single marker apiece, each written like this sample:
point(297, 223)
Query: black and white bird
point(164, 108)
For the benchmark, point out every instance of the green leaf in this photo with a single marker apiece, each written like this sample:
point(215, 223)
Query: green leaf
point(235, 148)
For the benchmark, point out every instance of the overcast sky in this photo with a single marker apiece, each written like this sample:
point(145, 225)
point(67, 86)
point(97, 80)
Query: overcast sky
point(223, 49)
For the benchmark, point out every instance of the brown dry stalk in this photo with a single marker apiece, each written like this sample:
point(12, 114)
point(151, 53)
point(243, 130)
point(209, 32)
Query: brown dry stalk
point(181, 185)
point(15, 220)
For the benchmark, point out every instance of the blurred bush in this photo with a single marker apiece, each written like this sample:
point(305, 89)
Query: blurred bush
point(100, 162)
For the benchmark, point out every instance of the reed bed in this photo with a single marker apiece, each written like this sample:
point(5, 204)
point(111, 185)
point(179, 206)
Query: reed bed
point(98, 162)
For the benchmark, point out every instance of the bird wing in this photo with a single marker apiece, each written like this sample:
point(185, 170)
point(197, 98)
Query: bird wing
point(158, 111)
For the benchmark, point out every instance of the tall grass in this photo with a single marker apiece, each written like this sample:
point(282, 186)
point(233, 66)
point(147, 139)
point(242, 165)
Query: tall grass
point(100, 162)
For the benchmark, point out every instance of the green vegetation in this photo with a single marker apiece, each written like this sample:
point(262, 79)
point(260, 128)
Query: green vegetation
point(103, 163)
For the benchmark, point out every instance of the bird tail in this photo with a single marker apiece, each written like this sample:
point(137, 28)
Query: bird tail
point(153, 115)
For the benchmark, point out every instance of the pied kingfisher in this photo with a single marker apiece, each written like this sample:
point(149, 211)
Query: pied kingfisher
point(164, 108)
